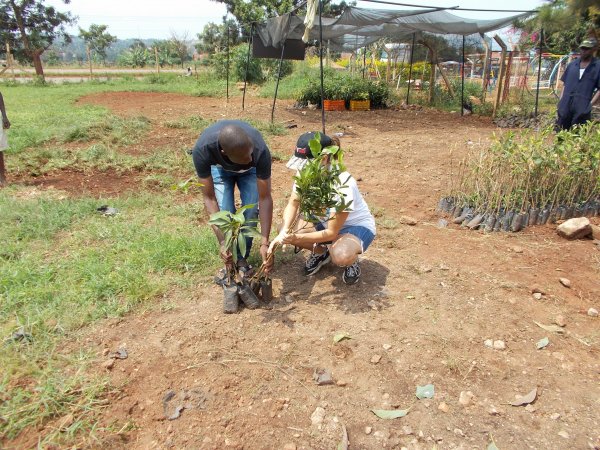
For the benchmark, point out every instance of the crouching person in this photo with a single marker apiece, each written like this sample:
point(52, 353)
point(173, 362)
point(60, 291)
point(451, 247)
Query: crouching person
point(343, 234)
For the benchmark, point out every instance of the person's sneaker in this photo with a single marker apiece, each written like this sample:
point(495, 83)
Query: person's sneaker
point(315, 262)
point(351, 273)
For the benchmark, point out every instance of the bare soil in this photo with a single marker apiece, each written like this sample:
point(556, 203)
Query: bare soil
point(428, 298)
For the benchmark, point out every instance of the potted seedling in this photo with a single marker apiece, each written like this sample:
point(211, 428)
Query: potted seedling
point(360, 101)
point(236, 229)
point(334, 96)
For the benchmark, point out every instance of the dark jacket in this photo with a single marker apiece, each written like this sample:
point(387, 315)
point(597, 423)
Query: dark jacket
point(577, 94)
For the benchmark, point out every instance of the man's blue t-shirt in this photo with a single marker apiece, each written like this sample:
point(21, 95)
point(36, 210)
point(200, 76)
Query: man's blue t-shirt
point(207, 151)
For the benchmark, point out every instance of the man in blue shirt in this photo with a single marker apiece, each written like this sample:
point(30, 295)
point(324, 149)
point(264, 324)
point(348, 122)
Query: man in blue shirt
point(581, 89)
point(230, 153)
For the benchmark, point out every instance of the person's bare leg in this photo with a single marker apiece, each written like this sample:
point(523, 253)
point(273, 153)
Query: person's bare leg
point(345, 250)
point(2, 170)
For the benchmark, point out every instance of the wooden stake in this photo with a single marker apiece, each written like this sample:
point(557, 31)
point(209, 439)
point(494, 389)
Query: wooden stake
point(89, 55)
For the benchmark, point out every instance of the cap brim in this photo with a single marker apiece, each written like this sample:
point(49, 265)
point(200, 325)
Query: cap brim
point(296, 163)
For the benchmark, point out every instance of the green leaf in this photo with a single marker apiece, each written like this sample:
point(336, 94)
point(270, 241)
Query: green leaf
point(241, 240)
point(426, 391)
point(341, 336)
point(390, 413)
point(245, 207)
point(542, 343)
point(492, 446)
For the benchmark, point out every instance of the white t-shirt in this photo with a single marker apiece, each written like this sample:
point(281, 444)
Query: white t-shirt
point(359, 213)
point(3, 138)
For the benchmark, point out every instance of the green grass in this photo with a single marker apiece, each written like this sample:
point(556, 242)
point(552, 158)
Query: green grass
point(64, 266)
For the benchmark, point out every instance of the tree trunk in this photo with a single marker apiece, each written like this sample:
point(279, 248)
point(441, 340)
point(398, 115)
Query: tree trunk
point(36, 56)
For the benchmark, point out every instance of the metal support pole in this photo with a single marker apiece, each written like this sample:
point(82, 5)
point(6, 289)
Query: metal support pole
point(247, 64)
point(462, 80)
point(321, 64)
point(364, 61)
point(537, 92)
point(412, 54)
point(277, 84)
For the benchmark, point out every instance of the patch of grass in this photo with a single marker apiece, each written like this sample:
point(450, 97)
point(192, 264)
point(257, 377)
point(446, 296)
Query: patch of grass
point(112, 129)
point(63, 266)
point(195, 123)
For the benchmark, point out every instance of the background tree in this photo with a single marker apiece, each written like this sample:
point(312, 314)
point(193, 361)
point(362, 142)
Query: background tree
point(137, 55)
point(565, 22)
point(97, 39)
point(30, 27)
point(180, 44)
point(214, 36)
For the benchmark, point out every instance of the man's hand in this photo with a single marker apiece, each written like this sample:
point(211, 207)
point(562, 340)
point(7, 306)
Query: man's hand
point(267, 258)
point(5, 123)
point(226, 256)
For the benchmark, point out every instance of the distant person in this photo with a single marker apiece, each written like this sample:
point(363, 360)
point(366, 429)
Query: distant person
point(189, 72)
point(232, 153)
point(581, 89)
point(3, 140)
point(341, 236)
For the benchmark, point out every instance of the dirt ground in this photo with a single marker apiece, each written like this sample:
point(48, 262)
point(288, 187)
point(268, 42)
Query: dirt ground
point(428, 298)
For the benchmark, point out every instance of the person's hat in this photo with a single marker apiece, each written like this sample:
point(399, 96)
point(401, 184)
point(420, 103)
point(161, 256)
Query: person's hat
point(302, 153)
point(588, 43)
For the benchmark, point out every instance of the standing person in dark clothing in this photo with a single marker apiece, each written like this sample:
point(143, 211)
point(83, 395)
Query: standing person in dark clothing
point(581, 89)
point(230, 153)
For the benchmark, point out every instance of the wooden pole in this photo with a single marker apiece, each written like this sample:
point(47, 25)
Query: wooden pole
point(537, 92)
point(500, 80)
point(89, 55)
point(412, 54)
point(462, 79)
point(156, 60)
point(485, 78)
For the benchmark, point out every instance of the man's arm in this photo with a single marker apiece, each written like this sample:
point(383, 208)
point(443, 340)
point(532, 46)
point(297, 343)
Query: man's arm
point(5, 121)
point(334, 225)
point(265, 212)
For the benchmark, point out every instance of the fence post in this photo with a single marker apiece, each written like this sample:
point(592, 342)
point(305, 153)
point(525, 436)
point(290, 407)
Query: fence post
point(500, 79)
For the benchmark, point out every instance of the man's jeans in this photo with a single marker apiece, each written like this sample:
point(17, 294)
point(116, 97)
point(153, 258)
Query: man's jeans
point(225, 182)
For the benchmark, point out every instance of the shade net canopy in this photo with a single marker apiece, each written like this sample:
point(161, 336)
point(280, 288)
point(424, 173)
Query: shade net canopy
point(358, 27)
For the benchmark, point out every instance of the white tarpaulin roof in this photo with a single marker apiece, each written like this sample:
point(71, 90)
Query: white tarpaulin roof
point(357, 27)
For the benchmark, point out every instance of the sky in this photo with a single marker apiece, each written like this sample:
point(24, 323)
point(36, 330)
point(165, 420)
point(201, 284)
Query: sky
point(159, 18)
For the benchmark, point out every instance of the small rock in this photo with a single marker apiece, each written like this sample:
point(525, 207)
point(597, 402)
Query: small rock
point(555, 416)
point(493, 411)
point(317, 416)
point(442, 223)
point(407, 430)
point(536, 289)
point(368, 430)
point(322, 377)
point(517, 249)
point(407, 220)
point(576, 228)
point(596, 232)
point(105, 352)
point(560, 321)
point(108, 364)
point(444, 407)
point(488, 343)
point(465, 398)
point(537, 295)
point(289, 299)
point(375, 359)
point(289, 446)
point(592, 312)
point(341, 383)
point(379, 435)
point(459, 432)
point(565, 282)
point(499, 345)
point(386, 346)
point(530, 408)
point(564, 434)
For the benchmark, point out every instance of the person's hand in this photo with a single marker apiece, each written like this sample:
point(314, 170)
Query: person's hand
point(276, 242)
point(267, 258)
point(226, 256)
point(5, 123)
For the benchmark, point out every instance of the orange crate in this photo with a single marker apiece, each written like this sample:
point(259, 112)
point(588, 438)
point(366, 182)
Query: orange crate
point(360, 105)
point(334, 105)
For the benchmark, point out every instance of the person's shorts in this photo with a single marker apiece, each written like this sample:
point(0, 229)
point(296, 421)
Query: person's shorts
point(363, 234)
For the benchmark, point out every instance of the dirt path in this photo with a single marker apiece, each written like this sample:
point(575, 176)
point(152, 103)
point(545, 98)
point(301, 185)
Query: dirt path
point(428, 299)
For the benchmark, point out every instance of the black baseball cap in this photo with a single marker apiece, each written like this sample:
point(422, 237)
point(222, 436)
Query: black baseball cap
point(302, 153)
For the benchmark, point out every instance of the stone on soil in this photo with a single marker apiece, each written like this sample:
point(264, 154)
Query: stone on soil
point(465, 398)
point(407, 220)
point(375, 359)
point(537, 295)
point(499, 345)
point(317, 416)
point(368, 430)
point(489, 343)
point(560, 321)
point(592, 312)
point(577, 228)
point(109, 364)
point(443, 407)
point(565, 282)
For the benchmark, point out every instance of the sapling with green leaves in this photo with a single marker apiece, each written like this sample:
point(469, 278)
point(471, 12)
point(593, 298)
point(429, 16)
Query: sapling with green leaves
point(236, 230)
point(318, 188)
